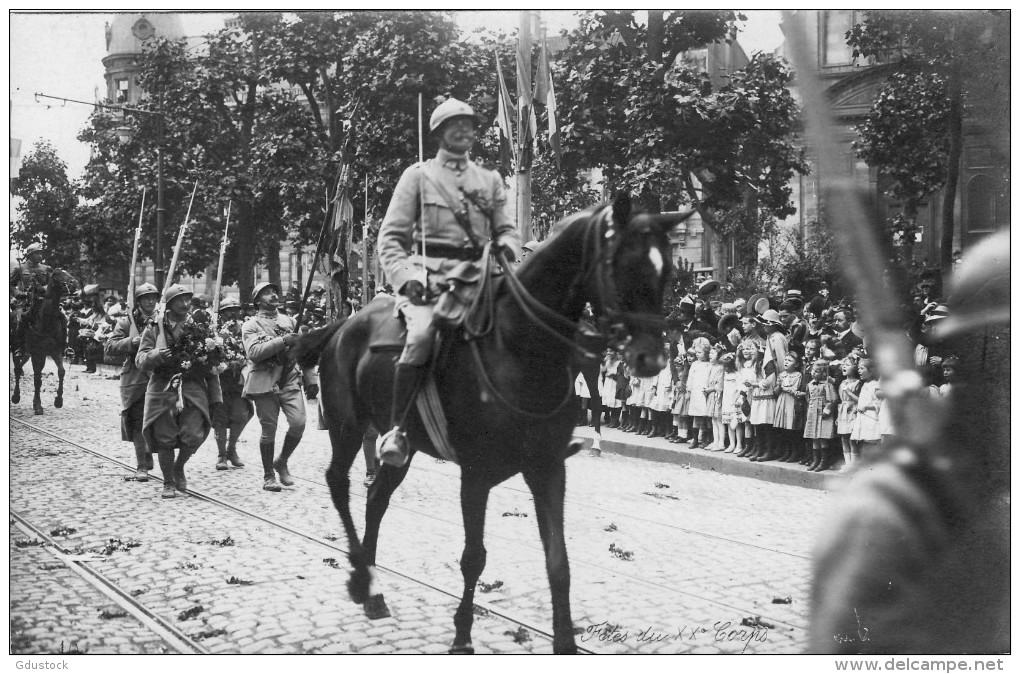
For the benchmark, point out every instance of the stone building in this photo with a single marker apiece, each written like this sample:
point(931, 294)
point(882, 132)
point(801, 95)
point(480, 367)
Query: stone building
point(852, 86)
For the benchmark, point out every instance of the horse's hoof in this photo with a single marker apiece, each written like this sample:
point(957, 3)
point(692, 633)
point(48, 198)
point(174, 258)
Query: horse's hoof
point(565, 649)
point(376, 608)
point(462, 649)
point(16, 398)
point(38, 411)
point(58, 403)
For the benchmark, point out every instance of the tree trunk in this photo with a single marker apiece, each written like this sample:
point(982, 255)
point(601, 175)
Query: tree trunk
point(719, 257)
point(273, 263)
point(245, 252)
point(655, 35)
point(952, 171)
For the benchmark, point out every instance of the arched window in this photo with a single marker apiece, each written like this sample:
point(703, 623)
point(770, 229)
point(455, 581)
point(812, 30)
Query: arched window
point(980, 204)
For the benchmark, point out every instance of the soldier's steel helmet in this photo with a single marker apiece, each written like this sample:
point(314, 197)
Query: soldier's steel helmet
point(34, 248)
point(145, 289)
point(176, 290)
point(262, 286)
point(449, 109)
point(229, 303)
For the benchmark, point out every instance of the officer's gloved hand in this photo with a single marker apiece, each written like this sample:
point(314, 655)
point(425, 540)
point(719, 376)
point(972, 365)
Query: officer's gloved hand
point(414, 291)
point(506, 250)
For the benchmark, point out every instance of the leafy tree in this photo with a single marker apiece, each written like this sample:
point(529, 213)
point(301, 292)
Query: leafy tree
point(661, 130)
point(48, 211)
point(939, 61)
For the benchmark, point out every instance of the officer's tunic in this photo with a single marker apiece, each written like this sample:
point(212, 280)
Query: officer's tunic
point(133, 381)
point(422, 190)
point(262, 336)
point(163, 427)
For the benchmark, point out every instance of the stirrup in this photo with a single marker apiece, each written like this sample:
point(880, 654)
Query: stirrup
point(394, 450)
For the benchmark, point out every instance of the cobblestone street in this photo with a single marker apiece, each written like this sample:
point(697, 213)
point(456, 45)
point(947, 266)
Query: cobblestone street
point(664, 558)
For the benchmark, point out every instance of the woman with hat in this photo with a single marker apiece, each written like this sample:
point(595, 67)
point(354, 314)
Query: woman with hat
point(123, 344)
point(765, 391)
point(442, 214)
point(177, 398)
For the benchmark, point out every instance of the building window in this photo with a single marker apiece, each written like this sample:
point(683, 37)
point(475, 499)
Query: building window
point(980, 204)
point(121, 95)
point(697, 59)
point(835, 24)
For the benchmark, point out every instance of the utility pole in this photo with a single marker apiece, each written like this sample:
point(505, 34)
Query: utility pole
point(524, 89)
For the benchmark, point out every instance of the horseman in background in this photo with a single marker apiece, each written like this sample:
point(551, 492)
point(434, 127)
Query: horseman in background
point(456, 206)
point(28, 283)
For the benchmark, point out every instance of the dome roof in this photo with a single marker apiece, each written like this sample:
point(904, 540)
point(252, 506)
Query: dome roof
point(129, 32)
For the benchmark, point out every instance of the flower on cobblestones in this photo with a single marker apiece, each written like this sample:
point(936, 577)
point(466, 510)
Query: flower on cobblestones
point(190, 613)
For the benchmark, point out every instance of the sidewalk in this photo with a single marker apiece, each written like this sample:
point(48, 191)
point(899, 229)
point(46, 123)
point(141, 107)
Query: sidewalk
point(616, 441)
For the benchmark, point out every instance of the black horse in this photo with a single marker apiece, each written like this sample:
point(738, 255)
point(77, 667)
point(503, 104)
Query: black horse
point(507, 393)
point(43, 336)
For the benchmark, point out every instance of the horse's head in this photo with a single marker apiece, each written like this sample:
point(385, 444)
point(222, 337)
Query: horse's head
point(628, 285)
point(62, 283)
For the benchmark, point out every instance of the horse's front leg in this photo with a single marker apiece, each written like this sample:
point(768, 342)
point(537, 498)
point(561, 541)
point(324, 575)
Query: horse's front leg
point(38, 364)
point(58, 402)
point(345, 440)
point(548, 485)
point(19, 370)
point(474, 497)
point(386, 482)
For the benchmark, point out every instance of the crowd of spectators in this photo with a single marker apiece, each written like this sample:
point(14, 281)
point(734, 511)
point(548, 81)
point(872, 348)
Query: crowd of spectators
point(771, 378)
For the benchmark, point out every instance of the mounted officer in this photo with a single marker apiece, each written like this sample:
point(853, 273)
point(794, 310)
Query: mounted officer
point(456, 207)
point(273, 381)
point(28, 283)
point(124, 343)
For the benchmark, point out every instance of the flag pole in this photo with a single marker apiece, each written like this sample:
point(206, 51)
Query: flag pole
point(364, 250)
point(421, 192)
point(523, 122)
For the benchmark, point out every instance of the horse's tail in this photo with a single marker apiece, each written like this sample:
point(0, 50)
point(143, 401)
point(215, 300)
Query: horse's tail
point(309, 345)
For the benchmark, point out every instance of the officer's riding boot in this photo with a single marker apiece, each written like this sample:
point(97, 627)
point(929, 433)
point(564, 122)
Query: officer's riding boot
point(394, 449)
point(142, 457)
point(166, 466)
point(266, 449)
point(221, 445)
point(232, 457)
point(290, 443)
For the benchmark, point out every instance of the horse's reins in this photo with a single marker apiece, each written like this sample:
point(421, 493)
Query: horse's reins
point(483, 307)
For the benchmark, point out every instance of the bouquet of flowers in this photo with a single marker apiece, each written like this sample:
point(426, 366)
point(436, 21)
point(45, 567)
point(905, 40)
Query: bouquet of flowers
point(197, 352)
point(234, 356)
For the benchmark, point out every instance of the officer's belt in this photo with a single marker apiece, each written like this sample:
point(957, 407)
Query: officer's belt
point(454, 252)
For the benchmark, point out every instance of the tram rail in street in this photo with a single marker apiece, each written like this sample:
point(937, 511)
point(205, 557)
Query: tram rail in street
point(112, 590)
point(164, 629)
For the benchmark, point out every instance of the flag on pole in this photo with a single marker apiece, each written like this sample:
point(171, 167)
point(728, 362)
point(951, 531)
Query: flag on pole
point(527, 125)
point(544, 93)
point(503, 119)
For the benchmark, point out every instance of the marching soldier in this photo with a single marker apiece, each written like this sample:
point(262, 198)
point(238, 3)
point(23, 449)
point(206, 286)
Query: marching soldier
point(236, 411)
point(124, 343)
point(462, 206)
point(165, 425)
point(273, 382)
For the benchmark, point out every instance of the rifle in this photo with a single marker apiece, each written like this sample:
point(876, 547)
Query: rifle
point(219, 270)
point(852, 222)
point(173, 262)
point(134, 260)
